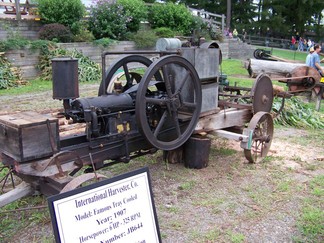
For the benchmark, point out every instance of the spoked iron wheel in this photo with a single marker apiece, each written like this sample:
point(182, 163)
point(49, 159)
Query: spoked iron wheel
point(127, 68)
point(262, 126)
point(168, 112)
point(7, 180)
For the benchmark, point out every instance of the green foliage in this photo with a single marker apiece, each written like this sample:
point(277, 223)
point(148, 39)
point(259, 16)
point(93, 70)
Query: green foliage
point(135, 11)
point(55, 32)
point(13, 43)
point(173, 16)
point(88, 71)
point(105, 42)
point(8, 74)
point(164, 32)
point(66, 12)
point(81, 32)
point(108, 20)
point(39, 44)
point(145, 39)
point(201, 29)
point(297, 114)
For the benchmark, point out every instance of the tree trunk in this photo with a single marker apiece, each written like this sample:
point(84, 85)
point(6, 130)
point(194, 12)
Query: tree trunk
point(272, 68)
point(228, 13)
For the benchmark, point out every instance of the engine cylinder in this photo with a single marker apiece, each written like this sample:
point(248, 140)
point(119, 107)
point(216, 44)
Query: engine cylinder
point(65, 78)
point(111, 102)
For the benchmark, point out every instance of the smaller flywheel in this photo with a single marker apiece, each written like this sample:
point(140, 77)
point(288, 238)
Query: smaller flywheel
point(262, 94)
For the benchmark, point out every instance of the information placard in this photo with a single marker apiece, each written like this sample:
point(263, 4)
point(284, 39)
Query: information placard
point(120, 209)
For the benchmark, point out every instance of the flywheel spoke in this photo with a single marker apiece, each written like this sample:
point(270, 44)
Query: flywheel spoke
point(166, 79)
point(182, 83)
point(160, 124)
point(176, 123)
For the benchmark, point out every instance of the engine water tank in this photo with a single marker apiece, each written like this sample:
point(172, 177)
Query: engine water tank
point(164, 44)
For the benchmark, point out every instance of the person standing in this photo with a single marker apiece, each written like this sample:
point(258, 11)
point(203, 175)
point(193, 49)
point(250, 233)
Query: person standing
point(235, 33)
point(315, 60)
point(244, 35)
point(293, 43)
point(309, 56)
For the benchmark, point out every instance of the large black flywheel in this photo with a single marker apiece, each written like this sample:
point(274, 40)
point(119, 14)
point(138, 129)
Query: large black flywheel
point(128, 69)
point(168, 109)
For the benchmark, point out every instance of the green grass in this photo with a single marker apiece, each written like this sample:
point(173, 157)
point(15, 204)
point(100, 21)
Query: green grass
point(11, 219)
point(32, 86)
point(288, 54)
point(311, 220)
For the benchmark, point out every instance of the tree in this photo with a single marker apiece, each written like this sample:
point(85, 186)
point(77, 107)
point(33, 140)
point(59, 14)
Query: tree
point(66, 12)
point(277, 15)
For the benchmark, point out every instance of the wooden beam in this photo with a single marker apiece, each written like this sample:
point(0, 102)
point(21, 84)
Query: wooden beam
point(22, 190)
point(224, 119)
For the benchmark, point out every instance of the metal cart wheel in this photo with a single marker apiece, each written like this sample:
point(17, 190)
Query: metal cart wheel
point(12, 187)
point(7, 179)
point(178, 105)
point(130, 67)
point(262, 126)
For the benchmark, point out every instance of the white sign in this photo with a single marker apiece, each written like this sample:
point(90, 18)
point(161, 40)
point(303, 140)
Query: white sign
point(120, 209)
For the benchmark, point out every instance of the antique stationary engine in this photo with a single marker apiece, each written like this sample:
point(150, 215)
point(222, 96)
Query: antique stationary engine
point(142, 106)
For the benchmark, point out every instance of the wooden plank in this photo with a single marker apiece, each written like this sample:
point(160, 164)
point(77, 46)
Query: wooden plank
point(224, 119)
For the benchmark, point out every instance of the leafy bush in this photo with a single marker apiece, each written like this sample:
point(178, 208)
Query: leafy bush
point(55, 32)
point(164, 32)
point(108, 20)
point(135, 11)
point(105, 42)
point(13, 43)
point(65, 12)
point(174, 16)
point(8, 74)
point(88, 71)
point(145, 39)
point(81, 32)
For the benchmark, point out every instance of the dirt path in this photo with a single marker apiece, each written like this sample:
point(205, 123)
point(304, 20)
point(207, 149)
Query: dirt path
point(228, 201)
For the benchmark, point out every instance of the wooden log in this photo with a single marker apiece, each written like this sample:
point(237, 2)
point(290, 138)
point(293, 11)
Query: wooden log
point(271, 68)
point(22, 190)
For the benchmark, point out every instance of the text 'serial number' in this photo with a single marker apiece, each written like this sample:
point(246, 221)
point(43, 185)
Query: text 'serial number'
point(134, 228)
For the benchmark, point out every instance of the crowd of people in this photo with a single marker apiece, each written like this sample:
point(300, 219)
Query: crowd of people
point(300, 43)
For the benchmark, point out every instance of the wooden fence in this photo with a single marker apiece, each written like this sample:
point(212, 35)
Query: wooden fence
point(10, 9)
